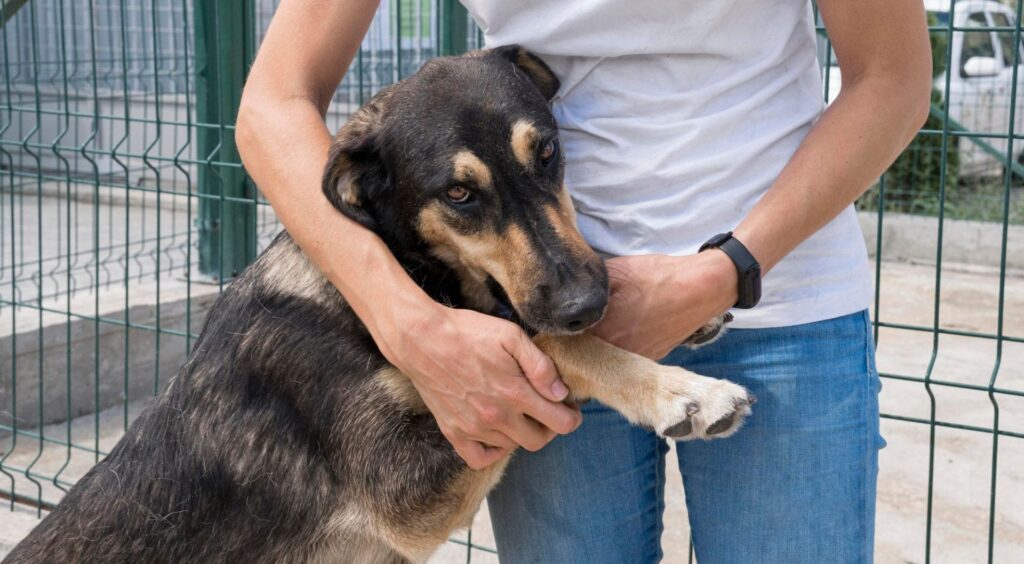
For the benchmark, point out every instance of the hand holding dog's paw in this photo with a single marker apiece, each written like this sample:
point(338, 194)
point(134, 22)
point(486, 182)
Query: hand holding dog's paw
point(487, 385)
point(659, 301)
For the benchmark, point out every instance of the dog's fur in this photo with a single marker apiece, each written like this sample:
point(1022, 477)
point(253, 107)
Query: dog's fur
point(287, 437)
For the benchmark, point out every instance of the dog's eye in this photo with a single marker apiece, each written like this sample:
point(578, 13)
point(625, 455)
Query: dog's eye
point(548, 152)
point(458, 194)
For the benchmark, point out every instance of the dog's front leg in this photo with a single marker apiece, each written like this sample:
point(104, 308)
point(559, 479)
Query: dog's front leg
point(674, 402)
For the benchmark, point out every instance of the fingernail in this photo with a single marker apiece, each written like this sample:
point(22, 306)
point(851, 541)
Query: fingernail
point(559, 390)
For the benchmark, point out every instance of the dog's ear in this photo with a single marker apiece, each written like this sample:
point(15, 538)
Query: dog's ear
point(535, 69)
point(355, 174)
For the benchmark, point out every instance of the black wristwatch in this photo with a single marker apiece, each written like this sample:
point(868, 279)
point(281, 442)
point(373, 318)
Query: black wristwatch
point(746, 266)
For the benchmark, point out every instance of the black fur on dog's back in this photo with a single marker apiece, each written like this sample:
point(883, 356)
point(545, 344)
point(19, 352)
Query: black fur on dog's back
point(243, 461)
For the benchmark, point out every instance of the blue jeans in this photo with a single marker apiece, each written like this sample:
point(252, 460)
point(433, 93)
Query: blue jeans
point(795, 485)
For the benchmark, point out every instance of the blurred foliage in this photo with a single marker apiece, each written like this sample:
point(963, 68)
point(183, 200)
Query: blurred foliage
point(940, 42)
point(912, 182)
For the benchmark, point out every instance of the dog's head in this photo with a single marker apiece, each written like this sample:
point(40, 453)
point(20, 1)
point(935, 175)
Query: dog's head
point(462, 160)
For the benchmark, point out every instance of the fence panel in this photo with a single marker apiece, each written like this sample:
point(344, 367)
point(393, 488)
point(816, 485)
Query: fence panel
point(950, 343)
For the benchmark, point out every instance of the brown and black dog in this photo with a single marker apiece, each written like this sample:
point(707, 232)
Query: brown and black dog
point(287, 436)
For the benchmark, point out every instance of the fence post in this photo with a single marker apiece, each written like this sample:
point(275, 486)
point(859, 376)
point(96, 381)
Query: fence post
point(225, 45)
point(11, 7)
point(454, 26)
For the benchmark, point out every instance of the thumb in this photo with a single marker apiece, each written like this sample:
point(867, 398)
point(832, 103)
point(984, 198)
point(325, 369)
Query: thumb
point(538, 368)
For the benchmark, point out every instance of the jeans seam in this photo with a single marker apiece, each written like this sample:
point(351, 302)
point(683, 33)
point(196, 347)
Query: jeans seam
point(654, 534)
point(869, 439)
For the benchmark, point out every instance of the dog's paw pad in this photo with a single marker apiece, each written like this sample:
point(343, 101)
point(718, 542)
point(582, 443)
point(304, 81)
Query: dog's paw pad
point(679, 430)
point(709, 332)
point(677, 417)
point(730, 422)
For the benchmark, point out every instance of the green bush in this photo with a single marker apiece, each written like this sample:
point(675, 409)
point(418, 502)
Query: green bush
point(912, 182)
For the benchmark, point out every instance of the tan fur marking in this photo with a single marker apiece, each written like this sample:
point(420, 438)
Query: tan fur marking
point(471, 170)
point(540, 74)
point(564, 225)
point(565, 202)
point(645, 392)
point(417, 541)
point(524, 141)
point(288, 272)
point(505, 256)
point(472, 279)
point(399, 388)
point(363, 122)
point(593, 369)
point(349, 194)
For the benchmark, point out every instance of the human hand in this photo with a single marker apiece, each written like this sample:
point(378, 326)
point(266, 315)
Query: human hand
point(487, 385)
point(657, 301)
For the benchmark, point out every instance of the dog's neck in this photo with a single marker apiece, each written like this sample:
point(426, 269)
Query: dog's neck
point(437, 279)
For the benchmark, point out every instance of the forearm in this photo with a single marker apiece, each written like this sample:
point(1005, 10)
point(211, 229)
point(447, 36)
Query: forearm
point(285, 150)
point(855, 140)
point(283, 142)
point(884, 55)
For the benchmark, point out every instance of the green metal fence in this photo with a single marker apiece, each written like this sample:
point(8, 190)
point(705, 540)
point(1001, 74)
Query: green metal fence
point(124, 210)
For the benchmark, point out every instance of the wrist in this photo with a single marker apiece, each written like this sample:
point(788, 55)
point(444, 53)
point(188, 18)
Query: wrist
point(396, 322)
point(767, 255)
point(720, 273)
point(389, 304)
point(712, 272)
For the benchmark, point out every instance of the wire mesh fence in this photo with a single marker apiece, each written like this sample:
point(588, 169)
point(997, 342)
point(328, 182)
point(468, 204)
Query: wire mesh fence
point(124, 211)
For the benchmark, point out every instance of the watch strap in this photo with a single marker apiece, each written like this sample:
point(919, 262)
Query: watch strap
point(747, 267)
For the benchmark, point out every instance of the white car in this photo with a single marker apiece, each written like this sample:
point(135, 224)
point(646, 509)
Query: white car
point(980, 84)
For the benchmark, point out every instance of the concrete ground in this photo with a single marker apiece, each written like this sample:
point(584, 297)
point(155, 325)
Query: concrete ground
point(962, 459)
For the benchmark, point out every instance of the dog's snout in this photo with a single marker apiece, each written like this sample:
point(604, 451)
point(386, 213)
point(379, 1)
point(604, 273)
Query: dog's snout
point(579, 313)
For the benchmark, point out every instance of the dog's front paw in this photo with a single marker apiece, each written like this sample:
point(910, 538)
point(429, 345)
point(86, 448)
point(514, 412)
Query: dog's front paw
point(709, 333)
point(697, 407)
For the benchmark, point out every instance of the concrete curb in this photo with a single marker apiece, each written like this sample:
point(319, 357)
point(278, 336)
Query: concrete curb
point(915, 238)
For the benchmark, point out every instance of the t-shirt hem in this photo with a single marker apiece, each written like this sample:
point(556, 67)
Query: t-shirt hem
point(798, 312)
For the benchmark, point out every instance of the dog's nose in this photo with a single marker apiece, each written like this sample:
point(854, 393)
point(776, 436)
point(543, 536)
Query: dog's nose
point(579, 313)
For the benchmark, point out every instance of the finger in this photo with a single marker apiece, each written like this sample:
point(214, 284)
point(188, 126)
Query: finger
point(491, 438)
point(496, 439)
point(537, 367)
point(493, 454)
point(558, 417)
point(478, 455)
point(529, 434)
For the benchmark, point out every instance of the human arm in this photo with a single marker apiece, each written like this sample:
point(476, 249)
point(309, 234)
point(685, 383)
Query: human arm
point(885, 58)
point(468, 367)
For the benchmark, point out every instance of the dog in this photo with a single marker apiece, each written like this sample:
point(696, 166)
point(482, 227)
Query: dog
point(287, 436)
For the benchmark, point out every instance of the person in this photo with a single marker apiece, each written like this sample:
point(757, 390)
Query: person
point(679, 121)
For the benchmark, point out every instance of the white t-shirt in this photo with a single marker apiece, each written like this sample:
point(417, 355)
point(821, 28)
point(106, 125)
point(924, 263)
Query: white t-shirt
point(676, 116)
